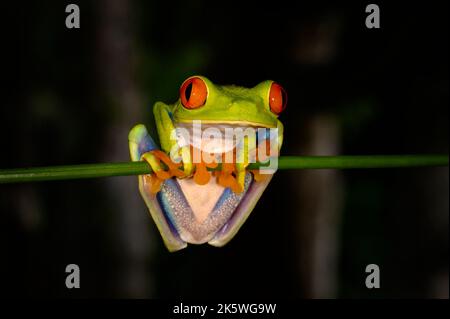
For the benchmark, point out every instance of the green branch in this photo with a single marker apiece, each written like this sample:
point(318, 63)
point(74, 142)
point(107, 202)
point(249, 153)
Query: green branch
point(284, 162)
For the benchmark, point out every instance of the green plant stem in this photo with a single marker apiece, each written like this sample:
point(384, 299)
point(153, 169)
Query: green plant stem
point(284, 162)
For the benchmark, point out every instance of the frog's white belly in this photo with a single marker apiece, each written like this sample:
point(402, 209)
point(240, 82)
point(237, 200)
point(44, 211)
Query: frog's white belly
point(201, 198)
point(198, 212)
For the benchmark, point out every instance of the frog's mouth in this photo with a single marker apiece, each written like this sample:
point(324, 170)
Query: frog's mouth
point(219, 137)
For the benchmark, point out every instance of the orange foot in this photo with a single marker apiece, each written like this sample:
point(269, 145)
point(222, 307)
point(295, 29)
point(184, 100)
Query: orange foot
point(201, 175)
point(154, 158)
point(227, 177)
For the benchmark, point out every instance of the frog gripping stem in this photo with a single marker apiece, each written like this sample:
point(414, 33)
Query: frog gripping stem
point(188, 202)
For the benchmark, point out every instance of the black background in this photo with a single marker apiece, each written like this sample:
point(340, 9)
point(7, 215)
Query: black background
point(386, 88)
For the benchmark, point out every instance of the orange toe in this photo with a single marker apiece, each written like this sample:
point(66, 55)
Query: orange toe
point(201, 175)
point(154, 182)
point(173, 168)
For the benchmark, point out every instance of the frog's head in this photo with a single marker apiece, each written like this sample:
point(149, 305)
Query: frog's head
point(200, 99)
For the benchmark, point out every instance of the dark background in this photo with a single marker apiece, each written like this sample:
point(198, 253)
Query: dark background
point(72, 95)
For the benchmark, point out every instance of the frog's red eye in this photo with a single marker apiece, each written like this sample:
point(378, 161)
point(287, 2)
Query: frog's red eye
point(193, 93)
point(277, 98)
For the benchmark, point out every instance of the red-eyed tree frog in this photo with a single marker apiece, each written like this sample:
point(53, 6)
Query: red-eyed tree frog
point(190, 197)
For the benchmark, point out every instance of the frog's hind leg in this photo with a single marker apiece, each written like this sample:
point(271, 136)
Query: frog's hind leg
point(142, 147)
point(242, 212)
point(141, 143)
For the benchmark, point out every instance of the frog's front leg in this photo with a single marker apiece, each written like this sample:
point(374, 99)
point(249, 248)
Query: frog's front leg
point(167, 137)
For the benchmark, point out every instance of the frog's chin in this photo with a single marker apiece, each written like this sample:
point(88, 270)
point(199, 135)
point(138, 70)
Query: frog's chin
point(217, 137)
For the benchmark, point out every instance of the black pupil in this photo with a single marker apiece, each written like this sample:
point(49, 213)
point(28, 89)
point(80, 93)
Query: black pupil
point(188, 91)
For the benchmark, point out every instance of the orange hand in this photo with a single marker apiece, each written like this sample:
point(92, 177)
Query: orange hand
point(227, 177)
point(172, 167)
point(160, 175)
point(201, 175)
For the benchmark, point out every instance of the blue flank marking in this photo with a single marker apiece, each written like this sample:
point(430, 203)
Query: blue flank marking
point(226, 193)
point(146, 144)
point(164, 203)
point(162, 200)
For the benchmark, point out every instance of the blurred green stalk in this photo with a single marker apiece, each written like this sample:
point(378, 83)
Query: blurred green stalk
point(284, 162)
